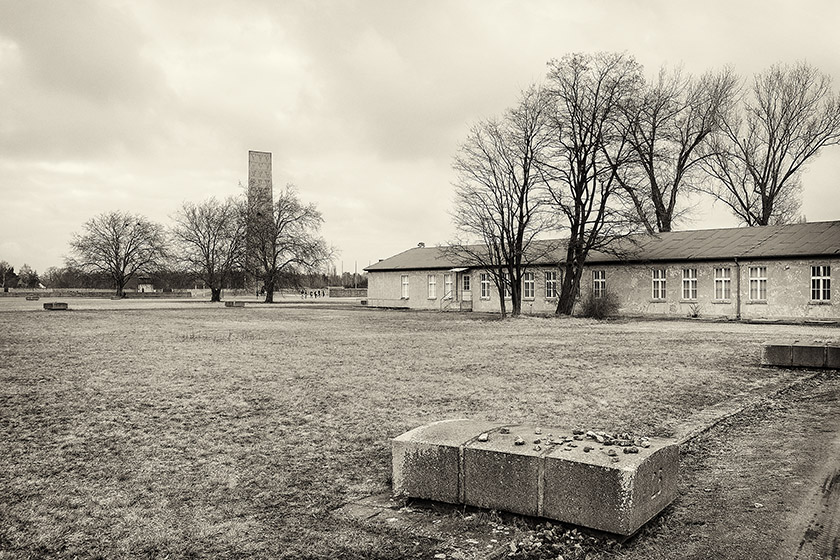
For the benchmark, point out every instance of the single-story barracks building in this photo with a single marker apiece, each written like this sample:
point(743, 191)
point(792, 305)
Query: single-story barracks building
point(770, 272)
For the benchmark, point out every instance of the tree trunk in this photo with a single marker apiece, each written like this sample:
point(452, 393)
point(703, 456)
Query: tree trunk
point(568, 291)
point(215, 294)
point(269, 292)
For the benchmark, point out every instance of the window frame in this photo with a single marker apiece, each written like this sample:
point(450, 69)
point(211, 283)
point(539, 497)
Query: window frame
point(484, 285)
point(723, 284)
point(432, 283)
point(599, 283)
point(447, 285)
point(404, 286)
point(689, 284)
point(465, 283)
point(551, 281)
point(822, 288)
point(759, 279)
point(659, 284)
point(528, 278)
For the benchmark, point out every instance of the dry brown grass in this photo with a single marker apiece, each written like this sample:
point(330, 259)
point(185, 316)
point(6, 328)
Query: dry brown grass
point(200, 431)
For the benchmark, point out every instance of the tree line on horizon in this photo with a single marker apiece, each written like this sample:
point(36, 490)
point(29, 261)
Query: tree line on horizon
point(599, 152)
point(220, 243)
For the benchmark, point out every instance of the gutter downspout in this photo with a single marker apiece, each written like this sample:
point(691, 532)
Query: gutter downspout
point(737, 290)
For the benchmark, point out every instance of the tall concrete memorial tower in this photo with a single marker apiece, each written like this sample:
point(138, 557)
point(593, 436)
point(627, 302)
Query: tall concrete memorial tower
point(260, 203)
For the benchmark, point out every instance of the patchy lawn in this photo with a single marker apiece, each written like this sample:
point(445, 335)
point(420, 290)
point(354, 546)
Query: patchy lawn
point(203, 431)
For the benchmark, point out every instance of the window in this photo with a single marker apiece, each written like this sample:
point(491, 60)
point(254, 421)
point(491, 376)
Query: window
point(466, 281)
point(485, 285)
point(404, 280)
point(447, 286)
point(506, 280)
point(599, 283)
point(528, 287)
point(821, 283)
point(551, 284)
point(689, 283)
point(658, 283)
point(758, 283)
point(432, 286)
point(722, 283)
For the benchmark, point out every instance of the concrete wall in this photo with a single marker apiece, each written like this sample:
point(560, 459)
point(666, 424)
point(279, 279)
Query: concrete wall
point(788, 290)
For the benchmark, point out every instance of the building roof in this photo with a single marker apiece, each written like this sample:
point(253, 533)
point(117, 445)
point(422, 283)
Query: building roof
point(748, 243)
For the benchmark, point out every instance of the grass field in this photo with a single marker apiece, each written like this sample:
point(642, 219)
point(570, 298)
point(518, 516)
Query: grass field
point(201, 431)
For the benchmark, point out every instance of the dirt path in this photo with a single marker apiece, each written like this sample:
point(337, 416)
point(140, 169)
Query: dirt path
point(762, 484)
point(814, 530)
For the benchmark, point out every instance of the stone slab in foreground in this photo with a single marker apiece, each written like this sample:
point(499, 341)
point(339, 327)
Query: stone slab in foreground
point(602, 488)
point(804, 354)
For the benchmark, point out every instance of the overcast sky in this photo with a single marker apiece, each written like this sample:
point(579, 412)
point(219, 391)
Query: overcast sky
point(139, 106)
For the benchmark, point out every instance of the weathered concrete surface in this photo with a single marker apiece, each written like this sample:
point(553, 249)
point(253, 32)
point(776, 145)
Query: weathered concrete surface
point(549, 474)
point(426, 460)
point(805, 354)
point(55, 306)
point(498, 474)
point(590, 489)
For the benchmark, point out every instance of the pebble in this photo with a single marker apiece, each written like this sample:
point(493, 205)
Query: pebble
point(484, 437)
point(440, 556)
point(538, 441)
point(578, 432)
point(612, 453)
point(632, 449)
point(538, 431)
point(519, 441)
point(504, 430)
point(615, 459)
point(537, 448)
point(587, 449)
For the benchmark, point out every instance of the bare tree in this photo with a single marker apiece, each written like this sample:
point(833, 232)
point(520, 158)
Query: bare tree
point(667, 125)
point(119, 244)
point(500, 196)
point(788, 116)
point(209, 238)
point(591, 151)
point(283, 242)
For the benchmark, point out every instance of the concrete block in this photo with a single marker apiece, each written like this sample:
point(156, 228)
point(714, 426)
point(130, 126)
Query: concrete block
point(56, 306)
point(501, 475)
point(234, 304)
point(832, 357)
point(592, 490)
point(553, 478)
point(808, 355)
point(426, 461)
point(776, 354)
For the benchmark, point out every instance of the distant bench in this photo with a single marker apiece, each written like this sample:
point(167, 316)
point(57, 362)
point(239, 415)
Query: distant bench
point(805, 354)
point(234, 304)
point(56, 306)
point(590, 481)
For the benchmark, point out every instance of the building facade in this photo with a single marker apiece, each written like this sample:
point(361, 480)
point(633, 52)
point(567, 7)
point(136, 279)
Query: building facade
point(772, 272)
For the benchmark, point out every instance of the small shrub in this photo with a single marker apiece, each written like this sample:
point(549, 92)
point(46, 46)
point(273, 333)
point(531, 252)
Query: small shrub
point(600, 308)
point(694, 310)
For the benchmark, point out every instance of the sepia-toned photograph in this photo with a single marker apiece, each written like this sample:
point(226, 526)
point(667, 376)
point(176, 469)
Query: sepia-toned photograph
point(440, 280)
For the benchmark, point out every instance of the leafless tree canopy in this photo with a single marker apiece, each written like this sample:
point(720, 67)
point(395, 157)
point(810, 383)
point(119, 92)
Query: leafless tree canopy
point(283, 242)
point(500, 196)
point(119, 244)
point(209, 238)
point(667, 125)
point(591, 151)
point(788, 115)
